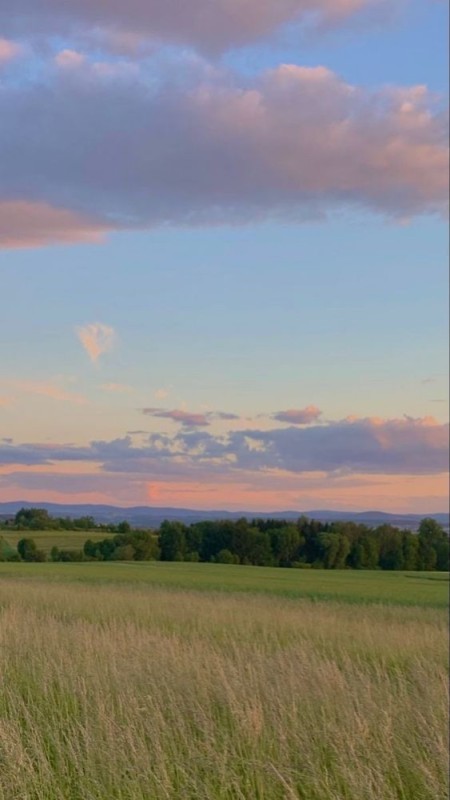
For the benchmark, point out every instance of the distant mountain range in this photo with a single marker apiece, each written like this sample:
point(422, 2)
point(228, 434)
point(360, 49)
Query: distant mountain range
point(148, 516)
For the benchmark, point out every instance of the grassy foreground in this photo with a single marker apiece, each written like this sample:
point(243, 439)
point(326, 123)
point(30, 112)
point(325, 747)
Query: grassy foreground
point(133, 691)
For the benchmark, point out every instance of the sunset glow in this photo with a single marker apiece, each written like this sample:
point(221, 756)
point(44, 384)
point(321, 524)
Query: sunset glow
point(223, 254)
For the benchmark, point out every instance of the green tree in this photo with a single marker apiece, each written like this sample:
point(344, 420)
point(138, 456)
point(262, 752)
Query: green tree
point(7, 553)
point(36, 519)
point(433, 545)
point(83, 523)
point(124, 527)
point(28, 550)
point(285, 543)
point(172, 541)
point(410, 543)
point(91, 550)
point(390, 547)
point(335, 548)
point(226, 557)
point(54, 553)
point(124, 552)
point(216, 535)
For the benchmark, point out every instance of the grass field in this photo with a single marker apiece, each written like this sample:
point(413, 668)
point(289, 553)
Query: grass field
point(350, 586)
point(114, 686)
point(45, 540)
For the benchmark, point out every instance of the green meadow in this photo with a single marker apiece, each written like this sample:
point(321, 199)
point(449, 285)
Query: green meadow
point(349, 586)
point(161, 681)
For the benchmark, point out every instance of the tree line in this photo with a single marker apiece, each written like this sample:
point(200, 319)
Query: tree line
point(39, 519)
point(305, 543)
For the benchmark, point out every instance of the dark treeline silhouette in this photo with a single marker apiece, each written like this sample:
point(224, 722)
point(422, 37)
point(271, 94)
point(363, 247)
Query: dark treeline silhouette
point(261, 542)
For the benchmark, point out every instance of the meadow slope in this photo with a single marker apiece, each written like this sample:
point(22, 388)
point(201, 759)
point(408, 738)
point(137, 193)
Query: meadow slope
point(127, 690)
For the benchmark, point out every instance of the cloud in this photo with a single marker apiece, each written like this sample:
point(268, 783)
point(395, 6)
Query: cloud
point(364, 446)
point(208, 26)
point(25, 223)
point(298, 416)
point(46, 389)
point(188, 418)
point(70, 59)
point(367, 445)
point(262, 492)
point(293, 143)
point(9, 50)
point(83, 487)
point(224, 415)
point(78, 64)
point(161, 394)
point(5, 401)
point(96, 339)
point(116, 388)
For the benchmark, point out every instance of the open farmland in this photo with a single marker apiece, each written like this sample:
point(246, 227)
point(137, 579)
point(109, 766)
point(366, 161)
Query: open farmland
point(45, 540)
point(116, 686)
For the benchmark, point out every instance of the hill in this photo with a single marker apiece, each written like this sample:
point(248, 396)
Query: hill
point(153, 516)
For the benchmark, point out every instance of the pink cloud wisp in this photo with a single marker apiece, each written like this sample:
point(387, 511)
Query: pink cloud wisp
point(96, 338)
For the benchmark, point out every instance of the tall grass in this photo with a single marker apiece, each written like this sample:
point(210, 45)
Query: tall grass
point(138, 693)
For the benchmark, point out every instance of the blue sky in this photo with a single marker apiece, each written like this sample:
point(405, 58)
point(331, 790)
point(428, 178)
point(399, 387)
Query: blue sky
point(340, 306)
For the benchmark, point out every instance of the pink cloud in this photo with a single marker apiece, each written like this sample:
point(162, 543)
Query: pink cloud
point(46, 389)
point(96, 338)
point(260, 492)
point(70, 59)
point(293, 143)
point(34, 224)
point(9, 50)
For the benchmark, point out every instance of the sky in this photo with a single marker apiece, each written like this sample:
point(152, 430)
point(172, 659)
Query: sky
point(223, 254)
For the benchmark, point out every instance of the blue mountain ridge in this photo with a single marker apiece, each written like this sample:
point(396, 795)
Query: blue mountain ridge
point(152, 516)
